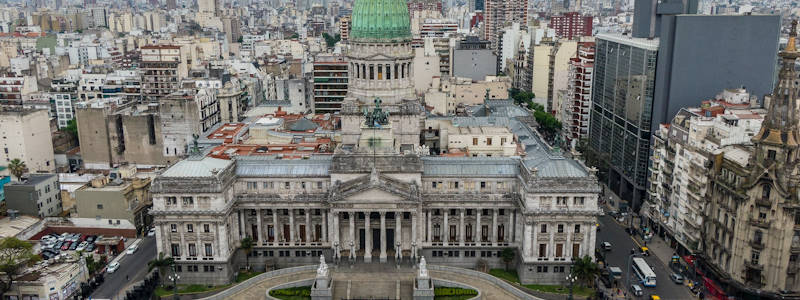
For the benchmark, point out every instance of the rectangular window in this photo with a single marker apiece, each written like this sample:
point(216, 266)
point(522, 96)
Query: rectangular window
point(176, 250)
point(559, 250)
point(488, 141)
point(187, 200)
point(483, 184)
point(209, 252)
point(560, 228)
point(189, 228)
point(172, 200)
point(577, 228)
point(286, 185)
point(543, 228)
point(577, 201)
point(576, 250)
point(319, 185)
point(502, 141)
point(754, 257)
point(99, 206)
point(192, 250)
point(474, 141)
point(206, 228)
point(542, 250)
point(173, 227)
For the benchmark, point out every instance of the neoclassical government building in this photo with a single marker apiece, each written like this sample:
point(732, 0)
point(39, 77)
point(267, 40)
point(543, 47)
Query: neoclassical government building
point(382, 196)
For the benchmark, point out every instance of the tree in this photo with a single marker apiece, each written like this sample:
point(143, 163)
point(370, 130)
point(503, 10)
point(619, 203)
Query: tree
point(585, 269)
point(508, 255)
point(15, 255)
point(161, 264)
point(17, 168)
point(240, 40)
point(247, 246)
point(72, 128)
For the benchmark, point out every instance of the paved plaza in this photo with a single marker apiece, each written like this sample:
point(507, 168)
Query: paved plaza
point(374, 280)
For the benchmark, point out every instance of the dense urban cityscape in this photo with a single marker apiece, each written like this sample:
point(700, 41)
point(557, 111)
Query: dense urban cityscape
point(399, 149)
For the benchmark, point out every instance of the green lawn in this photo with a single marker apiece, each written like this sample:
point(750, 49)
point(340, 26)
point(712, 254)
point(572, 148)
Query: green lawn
point(244, 275)
point(554, 289)
point(188, 289)
point(295, 293)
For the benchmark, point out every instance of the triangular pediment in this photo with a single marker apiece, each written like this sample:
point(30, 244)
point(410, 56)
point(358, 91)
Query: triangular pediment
point(375, 188)
point(374, 195)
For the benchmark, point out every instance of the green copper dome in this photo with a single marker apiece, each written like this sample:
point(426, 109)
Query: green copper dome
point(380, 21)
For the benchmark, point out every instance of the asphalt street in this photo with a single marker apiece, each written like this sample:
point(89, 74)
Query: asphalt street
point(132, 268)
point(622, 243)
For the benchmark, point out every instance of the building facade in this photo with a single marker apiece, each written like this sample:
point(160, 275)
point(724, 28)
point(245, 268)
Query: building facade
point(330, 83)
point(25, 135)
point(159, 64)
point(751, 238)
point(35, 195)
point(571, 25)
point(578, 101)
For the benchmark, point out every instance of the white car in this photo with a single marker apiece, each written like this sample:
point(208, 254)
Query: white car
point(132, 249)
point(112, 267)
point(82, 246)
point(151, 232)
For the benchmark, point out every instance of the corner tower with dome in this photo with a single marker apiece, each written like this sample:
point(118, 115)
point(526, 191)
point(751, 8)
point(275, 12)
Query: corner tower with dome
point(380, 67)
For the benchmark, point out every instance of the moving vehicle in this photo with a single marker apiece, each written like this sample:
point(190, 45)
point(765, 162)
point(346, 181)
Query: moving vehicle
point(151, 232)
point(655, 297)
point(113, 266)
point(606, 246)
point(615, 272)
point(642, 270)
point(132, 249)
point(637, 290)
point(645, 251)
point(676, 278)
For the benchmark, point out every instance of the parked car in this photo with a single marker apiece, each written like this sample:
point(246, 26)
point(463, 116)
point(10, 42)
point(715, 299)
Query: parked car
point(676, 278)
point(151, 232)
point(82, 246)
point(73, 246)
point(637, 290)
point(112, 267)
point(91, 238)
point(90, 247)
point(132, 249)
point(65, 246)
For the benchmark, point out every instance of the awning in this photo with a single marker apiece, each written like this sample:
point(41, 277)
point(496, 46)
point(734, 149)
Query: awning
point(713, 289)
point(689, 260)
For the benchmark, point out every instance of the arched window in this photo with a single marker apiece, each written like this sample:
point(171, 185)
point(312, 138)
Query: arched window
point(765, 190)
point(757, 236)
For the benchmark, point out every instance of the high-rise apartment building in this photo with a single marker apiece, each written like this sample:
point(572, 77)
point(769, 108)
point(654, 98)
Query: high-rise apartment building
point(578, 102)
point(160, 66)
point(571, 24)
point(25, 135)
point(686, 68)
point(344, 28)
point(330, 82)
point(500, 12)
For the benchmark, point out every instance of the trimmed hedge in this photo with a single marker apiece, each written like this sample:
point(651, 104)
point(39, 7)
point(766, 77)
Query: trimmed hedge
point(453, 291)
point(302, 291)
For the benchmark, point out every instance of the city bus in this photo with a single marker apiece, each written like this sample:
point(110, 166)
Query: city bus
point(646, 275)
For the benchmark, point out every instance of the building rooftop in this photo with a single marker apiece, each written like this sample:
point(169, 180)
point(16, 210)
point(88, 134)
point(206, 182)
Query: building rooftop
point(197, 167)
point(9, 227)
point(648, 44)
point(33, 179)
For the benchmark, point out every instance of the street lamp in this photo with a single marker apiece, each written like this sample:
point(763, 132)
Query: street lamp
point(571, 278)
point(174, 277)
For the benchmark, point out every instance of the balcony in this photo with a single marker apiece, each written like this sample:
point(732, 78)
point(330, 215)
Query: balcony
point(757, 244)
point(760, 223)
point(762, 201)
point(753, 265)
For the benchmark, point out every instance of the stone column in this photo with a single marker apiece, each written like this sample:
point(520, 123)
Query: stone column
point(513, 225)
point(260, 228)
point(494, 226)
point(413, 231)
point(275, 229)
point(242, 232)
point(324, 221)
point(383, 237)
point(367, 239)
point(526, 247)
point(335, 236)
point(534, 240)
point(430, 227)
point(291, 226)
point(478, 229)
point(398, 233)
point(308, 226)
point(351, 217)
point(446, 229)
point(462, 230)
